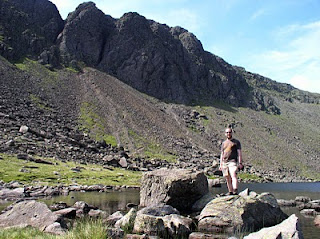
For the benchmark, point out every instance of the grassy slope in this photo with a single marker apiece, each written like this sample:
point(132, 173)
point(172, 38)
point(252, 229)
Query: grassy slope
point(146, 126)
point(274, 142)
point(62, 173)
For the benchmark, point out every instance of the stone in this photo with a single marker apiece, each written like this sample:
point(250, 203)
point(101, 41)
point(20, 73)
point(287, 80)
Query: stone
point(23, 129)
point(11, 194)
point(162, 221)
point(127, 219)
point(55, 228)
point(288, 229)
point(268, 198)
point(143, 236)
point(202, 202)
point(302, 199)
point(29, 213)
point(115, 233)
point(286, 203)
point(69, 212)
point(200, 235)
point(229, 213)
point(97, 213)
point(317, 221)
point(179, 188)
point(113, 218)
point(123, 162)
point(308, 212)
point(214, 182)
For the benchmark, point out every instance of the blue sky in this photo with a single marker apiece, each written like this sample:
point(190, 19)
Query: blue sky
point(279, 39)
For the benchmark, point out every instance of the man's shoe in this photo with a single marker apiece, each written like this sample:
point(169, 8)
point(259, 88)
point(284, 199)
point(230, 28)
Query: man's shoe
point(235, 192)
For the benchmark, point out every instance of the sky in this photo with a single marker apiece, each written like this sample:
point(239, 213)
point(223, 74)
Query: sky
point(278, 39)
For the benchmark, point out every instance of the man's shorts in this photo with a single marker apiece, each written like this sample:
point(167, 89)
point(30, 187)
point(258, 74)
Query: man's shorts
point(227, 166)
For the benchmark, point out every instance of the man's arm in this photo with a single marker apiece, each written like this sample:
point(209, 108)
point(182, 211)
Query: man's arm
point(221, 156)
point(239, 156)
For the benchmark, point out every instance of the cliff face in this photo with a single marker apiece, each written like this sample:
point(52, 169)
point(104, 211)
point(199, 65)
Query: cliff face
point(167, 63)
point(27, 27)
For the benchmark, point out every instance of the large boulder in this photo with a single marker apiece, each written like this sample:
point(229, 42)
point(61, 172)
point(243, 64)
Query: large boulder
point(162, 220)
point(247, 212)
point(34, 214)
point(179, 188)
point(288, 229)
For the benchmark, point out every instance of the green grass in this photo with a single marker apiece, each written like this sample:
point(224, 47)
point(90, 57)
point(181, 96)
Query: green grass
point(25, 233)
point(93, 124)
point(48, 78)
point(151, 149)
point(62, 173)
point(86, 228)
point(247, 176)
point(40, 104)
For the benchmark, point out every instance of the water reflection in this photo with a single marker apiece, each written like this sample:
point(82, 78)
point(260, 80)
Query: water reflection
point(107, 201)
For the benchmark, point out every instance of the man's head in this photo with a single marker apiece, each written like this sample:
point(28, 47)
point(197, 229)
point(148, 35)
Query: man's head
point(228, 133)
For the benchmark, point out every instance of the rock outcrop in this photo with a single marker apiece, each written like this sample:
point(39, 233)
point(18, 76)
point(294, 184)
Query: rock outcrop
point(167, 63)
point(162, 220)
point(34, 214)
point(288, 229)
point(226, 214)
point(178, 188)
point(28, 27)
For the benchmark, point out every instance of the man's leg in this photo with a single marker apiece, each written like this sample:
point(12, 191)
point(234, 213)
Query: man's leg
point(234, 179)
point(229, 183)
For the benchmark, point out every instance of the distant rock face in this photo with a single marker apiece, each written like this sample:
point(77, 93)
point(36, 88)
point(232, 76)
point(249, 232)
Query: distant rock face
point(84, 34)
point(167, 63)
point(27, 27)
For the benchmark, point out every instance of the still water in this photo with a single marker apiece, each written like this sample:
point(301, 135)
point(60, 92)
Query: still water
point(114, 201)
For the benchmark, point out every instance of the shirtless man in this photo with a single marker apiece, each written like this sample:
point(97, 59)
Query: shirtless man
point(230, 160)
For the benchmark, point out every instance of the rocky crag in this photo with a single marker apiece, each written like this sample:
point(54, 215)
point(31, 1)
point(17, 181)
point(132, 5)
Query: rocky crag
point(151, 87)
